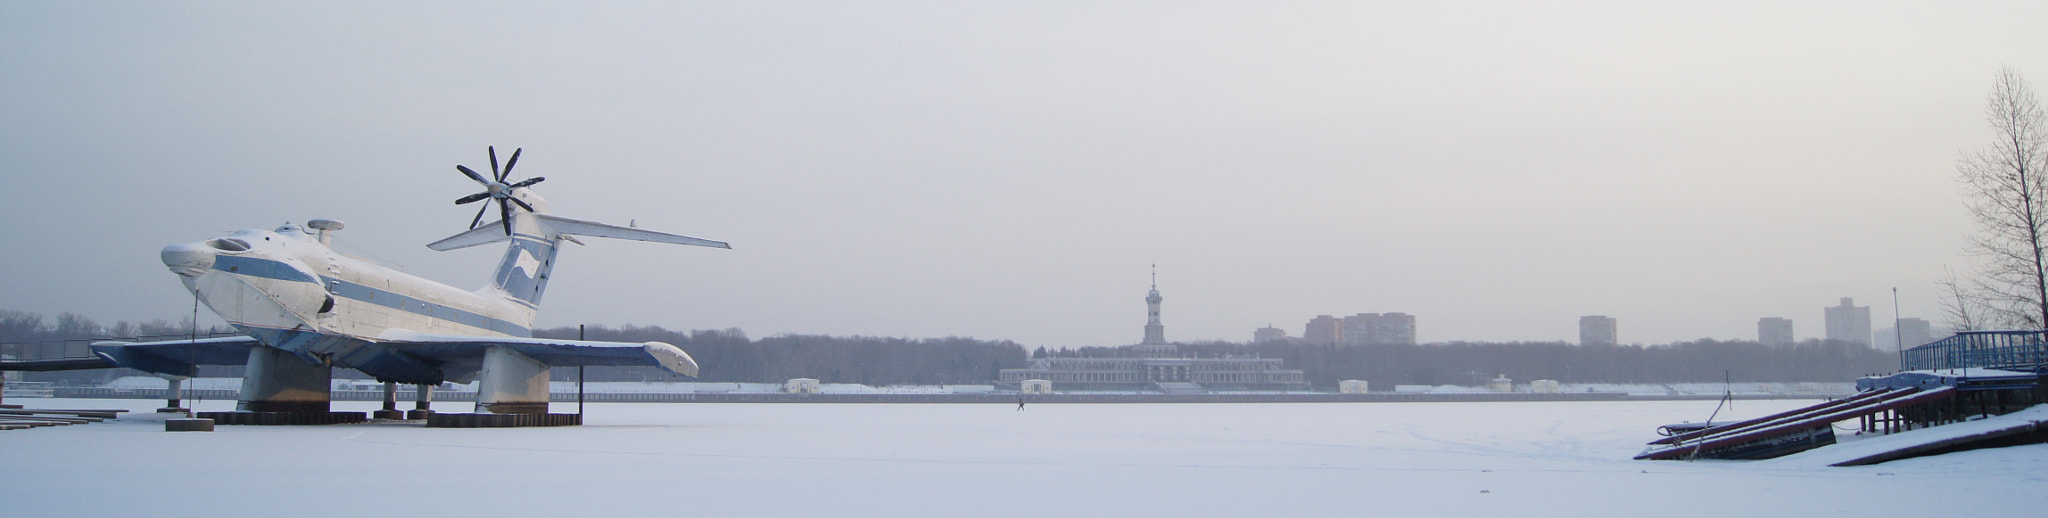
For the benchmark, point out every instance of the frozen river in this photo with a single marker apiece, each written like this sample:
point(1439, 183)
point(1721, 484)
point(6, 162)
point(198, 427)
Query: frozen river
point(818, 460)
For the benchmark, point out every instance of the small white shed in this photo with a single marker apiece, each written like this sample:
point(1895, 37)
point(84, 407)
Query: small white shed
point(1351, 387)
point(1502, 384)
point(800, 386)
point(1035, 387)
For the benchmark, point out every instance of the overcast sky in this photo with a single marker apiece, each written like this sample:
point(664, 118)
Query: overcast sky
point(1010, 170)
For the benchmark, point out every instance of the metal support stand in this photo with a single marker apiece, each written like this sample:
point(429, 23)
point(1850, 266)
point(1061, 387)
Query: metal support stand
point(390, 410)
point(174, 397)
point(422, 402)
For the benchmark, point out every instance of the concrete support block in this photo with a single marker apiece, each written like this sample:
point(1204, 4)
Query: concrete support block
point(283, 418)
point(188, 425)
point(511, 383)
point(502, 420)
point(278, 381)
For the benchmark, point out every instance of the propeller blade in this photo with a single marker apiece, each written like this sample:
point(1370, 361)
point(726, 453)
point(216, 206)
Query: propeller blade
point(473, 198)
point(510, 163)
point(479, 216)
point(472, 175)
point(505, 216)
point(523, 205)
point(529, 181)
point(494, 163)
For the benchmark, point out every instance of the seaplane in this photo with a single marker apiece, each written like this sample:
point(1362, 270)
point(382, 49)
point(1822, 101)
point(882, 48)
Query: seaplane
point(304, 308)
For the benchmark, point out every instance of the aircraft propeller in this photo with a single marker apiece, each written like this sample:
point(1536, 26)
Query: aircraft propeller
point(496, 188)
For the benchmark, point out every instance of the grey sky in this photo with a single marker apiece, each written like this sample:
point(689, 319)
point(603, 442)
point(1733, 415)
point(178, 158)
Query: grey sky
point(1010, 169)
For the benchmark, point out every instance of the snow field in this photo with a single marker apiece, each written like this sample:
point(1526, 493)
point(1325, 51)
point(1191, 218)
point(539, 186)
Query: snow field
point(819, 460)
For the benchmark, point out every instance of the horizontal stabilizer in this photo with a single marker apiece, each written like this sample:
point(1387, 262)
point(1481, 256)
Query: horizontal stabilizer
point(177, 357)
point(579, 227)
point(560, 353)
point(475, 236)
point(560, 226)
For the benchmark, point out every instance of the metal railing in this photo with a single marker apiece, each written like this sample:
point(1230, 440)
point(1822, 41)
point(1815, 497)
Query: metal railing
point(2025, 351)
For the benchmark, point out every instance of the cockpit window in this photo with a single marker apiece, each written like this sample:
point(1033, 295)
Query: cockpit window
point(228, 244)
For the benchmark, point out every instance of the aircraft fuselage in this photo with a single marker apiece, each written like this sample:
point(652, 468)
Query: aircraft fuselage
point(292, 292)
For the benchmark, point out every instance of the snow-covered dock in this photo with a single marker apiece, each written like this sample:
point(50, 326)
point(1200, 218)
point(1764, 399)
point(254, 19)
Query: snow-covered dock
point(2028, 426)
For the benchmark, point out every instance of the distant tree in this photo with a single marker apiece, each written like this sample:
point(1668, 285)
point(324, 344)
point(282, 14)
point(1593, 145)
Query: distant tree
point(1961, 310)
point(160, 327)
point(2007, 194)
point(72, 326)
point(122, 328)
point(19, 326)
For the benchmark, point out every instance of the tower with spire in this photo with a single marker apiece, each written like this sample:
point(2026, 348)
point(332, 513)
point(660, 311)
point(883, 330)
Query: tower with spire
point(1157, 365)
point(1155, 332)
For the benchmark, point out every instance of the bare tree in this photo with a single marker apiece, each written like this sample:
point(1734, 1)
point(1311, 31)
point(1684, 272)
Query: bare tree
point(1962, 310)
point(2007, 195)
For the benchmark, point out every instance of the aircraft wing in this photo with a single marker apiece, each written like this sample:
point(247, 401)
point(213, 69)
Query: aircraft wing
point(455, 349)
point(176, 357)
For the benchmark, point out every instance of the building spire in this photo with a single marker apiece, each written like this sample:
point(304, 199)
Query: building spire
point(1155, 332)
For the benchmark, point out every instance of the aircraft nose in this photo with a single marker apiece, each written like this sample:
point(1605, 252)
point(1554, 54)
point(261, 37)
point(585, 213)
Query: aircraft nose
point(189, 259)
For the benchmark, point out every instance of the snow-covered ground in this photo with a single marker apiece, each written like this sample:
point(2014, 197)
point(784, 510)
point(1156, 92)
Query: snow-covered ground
point(826, 460)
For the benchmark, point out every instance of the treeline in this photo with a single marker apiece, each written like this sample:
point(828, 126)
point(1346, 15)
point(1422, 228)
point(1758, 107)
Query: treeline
point(22, 327)
point(728, 355)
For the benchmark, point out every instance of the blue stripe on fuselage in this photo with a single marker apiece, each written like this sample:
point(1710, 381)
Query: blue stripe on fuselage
point(264, 268)
point(353, 291)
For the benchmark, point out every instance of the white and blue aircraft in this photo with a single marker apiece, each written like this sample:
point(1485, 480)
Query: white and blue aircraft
point(306, 308)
